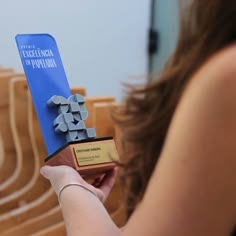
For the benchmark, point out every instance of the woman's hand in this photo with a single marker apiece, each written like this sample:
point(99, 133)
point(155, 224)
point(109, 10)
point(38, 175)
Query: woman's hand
point(62, 175)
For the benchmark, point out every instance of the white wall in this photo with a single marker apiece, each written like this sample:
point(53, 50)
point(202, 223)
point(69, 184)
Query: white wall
point(101, 43)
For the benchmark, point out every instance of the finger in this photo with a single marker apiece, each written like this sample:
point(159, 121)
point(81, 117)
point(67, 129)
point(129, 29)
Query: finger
point(98, 180)
point(45, 171)
point(107, 183)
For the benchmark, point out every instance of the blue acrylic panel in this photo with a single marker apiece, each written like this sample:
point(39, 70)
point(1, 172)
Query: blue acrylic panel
point(46, 77)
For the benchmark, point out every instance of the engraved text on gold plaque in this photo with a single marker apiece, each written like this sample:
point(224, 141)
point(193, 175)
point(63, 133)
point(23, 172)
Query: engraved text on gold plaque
point(93, 153)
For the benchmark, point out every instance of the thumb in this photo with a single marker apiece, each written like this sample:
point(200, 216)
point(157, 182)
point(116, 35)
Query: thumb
point(45, 171)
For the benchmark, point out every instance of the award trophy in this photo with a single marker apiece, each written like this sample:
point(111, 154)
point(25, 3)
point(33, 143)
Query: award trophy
point(61, 115)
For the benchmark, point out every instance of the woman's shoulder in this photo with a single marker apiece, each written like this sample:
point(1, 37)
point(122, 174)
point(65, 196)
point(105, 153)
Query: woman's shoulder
point(219, 71)
point(213, 85)
point(209, 99)
point(224, 58)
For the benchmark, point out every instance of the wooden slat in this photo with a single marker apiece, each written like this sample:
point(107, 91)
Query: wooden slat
point(24, 154)
point(6, 70)
point(30, 183)
point(79, 90)
point(10, 162)
point(1, 151)
point(54, 230)
point(42, 221)
point(89, 103)
point(102, 119)
point(44, 202)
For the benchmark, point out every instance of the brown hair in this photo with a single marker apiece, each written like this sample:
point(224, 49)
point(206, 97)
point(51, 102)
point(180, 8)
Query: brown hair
point(205, 28)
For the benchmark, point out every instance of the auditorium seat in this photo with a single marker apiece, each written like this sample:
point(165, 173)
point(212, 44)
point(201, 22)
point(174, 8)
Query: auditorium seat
point(7, 171)
point(29, 182)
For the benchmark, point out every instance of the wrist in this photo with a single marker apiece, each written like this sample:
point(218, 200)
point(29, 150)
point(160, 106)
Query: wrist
point(79, 186)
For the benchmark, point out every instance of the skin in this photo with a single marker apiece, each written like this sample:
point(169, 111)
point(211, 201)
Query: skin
point(192, 190)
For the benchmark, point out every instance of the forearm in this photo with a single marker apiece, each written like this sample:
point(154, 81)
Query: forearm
point(84, 214)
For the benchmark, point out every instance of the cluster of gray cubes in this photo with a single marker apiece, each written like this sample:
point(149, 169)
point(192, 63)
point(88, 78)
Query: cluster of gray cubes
point(71, 116)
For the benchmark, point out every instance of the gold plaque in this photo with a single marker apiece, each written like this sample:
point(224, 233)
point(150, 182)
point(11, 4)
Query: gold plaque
point(95, 153)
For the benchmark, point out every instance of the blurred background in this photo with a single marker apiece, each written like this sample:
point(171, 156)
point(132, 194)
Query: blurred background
point(102, 43)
